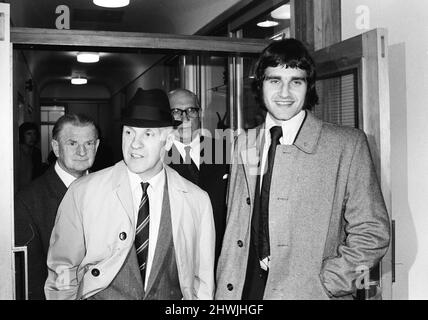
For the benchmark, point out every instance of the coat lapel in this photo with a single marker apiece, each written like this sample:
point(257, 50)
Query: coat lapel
point(250, 156)
point(309, 133)
point(122, 189)
point(163, 241)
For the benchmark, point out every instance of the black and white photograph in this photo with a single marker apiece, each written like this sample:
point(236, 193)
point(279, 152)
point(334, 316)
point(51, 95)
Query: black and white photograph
point(233, 152)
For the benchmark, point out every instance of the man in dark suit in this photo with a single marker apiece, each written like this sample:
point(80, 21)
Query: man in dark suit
point(74, 143)
point(198, 157)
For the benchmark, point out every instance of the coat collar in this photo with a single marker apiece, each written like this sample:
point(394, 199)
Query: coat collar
point(122, 188)
point(309, 133)
point(306, 139)
point(251, 143)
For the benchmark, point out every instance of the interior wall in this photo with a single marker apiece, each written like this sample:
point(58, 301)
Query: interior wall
point(151, 79)
point(406, 22)
point(68, 91)
point(29, 110)
point(117, 102)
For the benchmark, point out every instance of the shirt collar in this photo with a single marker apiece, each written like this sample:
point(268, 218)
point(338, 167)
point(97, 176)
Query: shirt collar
point(65, 177)
point(195, 142)
point(156, 182)
point(290, 127)
point(195, 151)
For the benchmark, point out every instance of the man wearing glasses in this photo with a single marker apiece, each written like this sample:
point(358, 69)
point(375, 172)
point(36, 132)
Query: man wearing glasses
point(198, 157)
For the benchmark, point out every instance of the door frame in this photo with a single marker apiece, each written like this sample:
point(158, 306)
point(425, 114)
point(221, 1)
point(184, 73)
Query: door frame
point(90, 40)
point(7, 275)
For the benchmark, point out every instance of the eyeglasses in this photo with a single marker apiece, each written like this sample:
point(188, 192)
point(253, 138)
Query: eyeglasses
point(191, 113)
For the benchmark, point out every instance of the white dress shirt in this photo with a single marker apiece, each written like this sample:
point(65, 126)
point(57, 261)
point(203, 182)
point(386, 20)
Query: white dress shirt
point(195, 151)
point(155, 193)
point(290, 128)
point(65, 177)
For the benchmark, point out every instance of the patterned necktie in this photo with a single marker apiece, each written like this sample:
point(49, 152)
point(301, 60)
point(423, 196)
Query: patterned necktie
point(142, 232)
point(187, 159)
point(264, 250)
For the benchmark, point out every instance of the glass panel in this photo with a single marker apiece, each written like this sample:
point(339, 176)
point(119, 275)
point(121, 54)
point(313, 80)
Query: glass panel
point(43, 116)
point(253, 115)
point(44, 141)
point(338, 100)
point(215, 115)
point(55, 115)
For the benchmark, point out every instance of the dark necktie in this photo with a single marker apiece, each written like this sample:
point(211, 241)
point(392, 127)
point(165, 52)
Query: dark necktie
point(264, 250)
point(187, 159)
point(142, 232)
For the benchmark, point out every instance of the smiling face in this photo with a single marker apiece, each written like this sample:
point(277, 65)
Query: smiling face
point(76, 148)
point(143, 149)
point(284, 91)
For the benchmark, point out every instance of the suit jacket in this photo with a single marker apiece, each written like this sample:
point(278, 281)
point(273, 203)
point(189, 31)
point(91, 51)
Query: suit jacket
point(95, 230)
point(327, 217)
point(35, 212)
point(212, 178)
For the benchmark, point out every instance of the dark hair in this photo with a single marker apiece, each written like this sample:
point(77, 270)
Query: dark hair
point(79, 120)
point(292, 54)
point(24, 128)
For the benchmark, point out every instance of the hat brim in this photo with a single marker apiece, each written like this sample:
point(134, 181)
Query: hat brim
point(140, 123)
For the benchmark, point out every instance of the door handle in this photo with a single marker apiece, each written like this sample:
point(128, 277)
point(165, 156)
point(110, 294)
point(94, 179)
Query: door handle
point(393, 250)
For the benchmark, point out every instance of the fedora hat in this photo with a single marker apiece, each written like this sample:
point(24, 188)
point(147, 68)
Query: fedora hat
point(149, 109)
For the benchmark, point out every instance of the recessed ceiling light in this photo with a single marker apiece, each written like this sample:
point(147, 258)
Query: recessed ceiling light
point(88, 57)
point(282, 13)
point(111, 3)
point(79, 80)
point(267, 23)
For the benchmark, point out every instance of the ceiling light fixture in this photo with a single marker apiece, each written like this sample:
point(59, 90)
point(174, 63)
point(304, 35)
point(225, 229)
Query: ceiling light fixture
point(88, 57)
point(281, 13)
point(111, 3)
point(267, 24)
point(79, 80)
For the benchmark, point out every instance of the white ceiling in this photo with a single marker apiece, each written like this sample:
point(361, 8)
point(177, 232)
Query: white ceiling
point(115, 69)
point(164, 16)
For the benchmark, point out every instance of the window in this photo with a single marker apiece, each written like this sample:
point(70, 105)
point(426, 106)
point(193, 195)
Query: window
point(48, 115)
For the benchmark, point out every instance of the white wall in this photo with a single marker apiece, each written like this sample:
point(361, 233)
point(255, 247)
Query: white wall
point(407, 24)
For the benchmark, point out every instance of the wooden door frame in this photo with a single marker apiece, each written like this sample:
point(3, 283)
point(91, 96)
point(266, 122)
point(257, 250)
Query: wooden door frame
point(7, 277)
point(115, 41)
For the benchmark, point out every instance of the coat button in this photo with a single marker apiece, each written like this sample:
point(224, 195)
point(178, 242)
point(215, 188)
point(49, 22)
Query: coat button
point(95, 272)
point(122, 236)
point(240, 243)
point(248, 201)
point(229, 287)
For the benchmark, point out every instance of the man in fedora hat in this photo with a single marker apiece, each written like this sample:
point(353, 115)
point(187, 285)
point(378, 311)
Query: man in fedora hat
point(136, 230)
